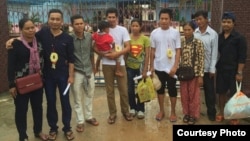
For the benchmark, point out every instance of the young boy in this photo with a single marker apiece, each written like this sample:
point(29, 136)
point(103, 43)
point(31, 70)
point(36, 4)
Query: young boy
point(105, 43)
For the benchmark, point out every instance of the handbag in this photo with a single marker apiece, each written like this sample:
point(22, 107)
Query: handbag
point(185, 73)
point(29, 83)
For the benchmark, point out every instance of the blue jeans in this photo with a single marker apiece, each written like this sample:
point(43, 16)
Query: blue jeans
point(51, 84)
point(134, 102)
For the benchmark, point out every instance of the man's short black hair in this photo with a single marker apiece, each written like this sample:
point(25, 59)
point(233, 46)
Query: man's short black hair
point(166, 11)
point(229, 15)
point(202, 13)
point(74, 17)
point(55, 11)
point(112, 10)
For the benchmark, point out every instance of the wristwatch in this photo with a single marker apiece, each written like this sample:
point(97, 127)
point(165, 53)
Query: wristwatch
point(239, 72)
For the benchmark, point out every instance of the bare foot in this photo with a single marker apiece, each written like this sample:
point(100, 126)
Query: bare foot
point(118, 73)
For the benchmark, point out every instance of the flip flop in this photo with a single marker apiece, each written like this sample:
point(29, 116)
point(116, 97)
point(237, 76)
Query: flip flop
point(80, 128)
point(128, 116)
point(160, 116)
point(42, 136)
point(234, 122)
point(52, 136)
point(93, 121)
point(219, 118)
point(69, 135)
point(111, 119)
point(173, 118)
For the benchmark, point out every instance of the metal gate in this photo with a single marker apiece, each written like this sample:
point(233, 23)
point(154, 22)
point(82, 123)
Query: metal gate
point(94, 10)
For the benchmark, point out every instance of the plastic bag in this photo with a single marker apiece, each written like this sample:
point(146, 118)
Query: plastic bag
point(156, 81)
point(145, 90)
point(238, 106)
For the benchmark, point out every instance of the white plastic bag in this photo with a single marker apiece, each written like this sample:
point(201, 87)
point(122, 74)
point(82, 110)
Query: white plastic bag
point(238, 106)
point(156, 81)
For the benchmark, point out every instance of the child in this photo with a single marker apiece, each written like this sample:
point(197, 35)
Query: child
point(105, 43)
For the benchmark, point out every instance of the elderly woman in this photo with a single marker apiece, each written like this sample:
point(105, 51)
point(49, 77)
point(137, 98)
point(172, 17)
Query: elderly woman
point(192, 54)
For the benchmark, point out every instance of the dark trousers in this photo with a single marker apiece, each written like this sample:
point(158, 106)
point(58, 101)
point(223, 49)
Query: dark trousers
point(134, 102)
point(21, 107)
point(51, 85)
point(210, 97)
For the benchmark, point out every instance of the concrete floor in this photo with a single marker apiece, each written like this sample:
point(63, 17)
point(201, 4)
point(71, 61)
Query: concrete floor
point(147, 129)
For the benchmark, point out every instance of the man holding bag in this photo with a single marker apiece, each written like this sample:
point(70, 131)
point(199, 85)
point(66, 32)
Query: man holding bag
point(232, 58)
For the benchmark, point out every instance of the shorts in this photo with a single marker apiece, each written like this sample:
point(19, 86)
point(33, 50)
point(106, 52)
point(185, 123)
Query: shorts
point(225, 81)
point(170, 81)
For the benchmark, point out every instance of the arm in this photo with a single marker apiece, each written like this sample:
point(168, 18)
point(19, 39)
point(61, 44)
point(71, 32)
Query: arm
point(11, 72)
point(200, 53)
point(176, 62)
point(114, 55)
point(242, 59)
point(92, 58)
point(146, 62)
point(214, 57)
point(146, 57)
point(70, 52)
point(71, 73)
point(152, 57)
point(8, 43)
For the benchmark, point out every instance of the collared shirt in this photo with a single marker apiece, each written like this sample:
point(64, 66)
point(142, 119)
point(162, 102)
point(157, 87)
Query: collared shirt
point(192, 54)
point(62, 45)
point(83, 53)
point(232, 51)
point(210, 42)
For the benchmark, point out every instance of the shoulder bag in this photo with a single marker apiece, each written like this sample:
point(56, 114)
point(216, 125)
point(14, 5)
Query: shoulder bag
point(29, 83)
point(185, 73)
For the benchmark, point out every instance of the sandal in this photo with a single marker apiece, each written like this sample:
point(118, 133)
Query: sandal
point(52, 136)
point(173, 118)
point(234, 122)
point(219, 118)
point(191, 121)
point(111, 119)
point(159, 116)
point(69, 135)
point(80, 127)
point(42, 136)
point(186, 119)
point(128, 116)
point(93, 121)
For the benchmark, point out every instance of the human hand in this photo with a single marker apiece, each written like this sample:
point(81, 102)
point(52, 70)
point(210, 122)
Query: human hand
point(239, 77)
point(71, 79)
point(112, 55)
point(8, 43)
point(200, 81)
point(13, 92)
point(211, 75)
point(172, 72)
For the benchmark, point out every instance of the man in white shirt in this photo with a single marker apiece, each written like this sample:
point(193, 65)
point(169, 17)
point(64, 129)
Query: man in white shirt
point(121, 38)
point(209, 38)
point(164, 60)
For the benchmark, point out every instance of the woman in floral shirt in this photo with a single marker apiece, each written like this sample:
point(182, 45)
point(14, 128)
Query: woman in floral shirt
point(190, 90)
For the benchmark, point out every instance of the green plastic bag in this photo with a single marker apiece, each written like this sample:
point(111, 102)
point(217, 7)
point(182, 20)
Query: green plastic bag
point(145, 90)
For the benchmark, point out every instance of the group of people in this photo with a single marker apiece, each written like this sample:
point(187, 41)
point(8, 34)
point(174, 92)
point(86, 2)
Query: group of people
point(123, 56)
